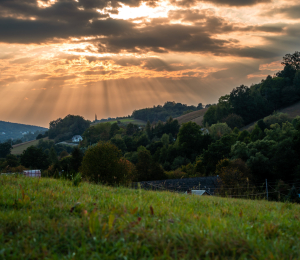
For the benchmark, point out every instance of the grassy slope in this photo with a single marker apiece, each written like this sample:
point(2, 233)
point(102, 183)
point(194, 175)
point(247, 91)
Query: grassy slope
point(19, 148)
point(125, 121)
point(196, 116)
point(292, 111)
point(116, 223)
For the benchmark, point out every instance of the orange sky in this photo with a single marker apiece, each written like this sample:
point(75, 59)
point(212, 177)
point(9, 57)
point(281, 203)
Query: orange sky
point(83, 57)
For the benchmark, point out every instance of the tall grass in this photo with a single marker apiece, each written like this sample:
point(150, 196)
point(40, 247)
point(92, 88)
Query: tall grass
point(53, 219)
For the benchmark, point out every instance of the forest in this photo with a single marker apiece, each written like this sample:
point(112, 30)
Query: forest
point(123, 153)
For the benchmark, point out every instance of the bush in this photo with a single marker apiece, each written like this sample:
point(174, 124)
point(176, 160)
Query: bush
point(102, 163)
point(177, 174)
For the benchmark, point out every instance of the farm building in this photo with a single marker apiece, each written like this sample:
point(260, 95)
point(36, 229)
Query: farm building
point(32, 173)
point(77, 138)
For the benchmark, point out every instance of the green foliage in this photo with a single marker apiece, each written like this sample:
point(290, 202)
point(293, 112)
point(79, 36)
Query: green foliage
point(147, 169)
point(5, 149)
point(119, 143)
point(192, 141)
point(165, 139)
point(113, 129)
point(278, 118)
point(12, 160)
point(77, 180)
point(162, 113)
point(66, 128)
point(53, 156)
point(218, 130)
point(215, 152)
point(233, 120)
point(102, 163)
point(34, 158)
point(98, 132)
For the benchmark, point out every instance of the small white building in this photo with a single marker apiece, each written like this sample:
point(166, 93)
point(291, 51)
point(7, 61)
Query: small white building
point(77, 138)
point(32, 173)
point(197, 192)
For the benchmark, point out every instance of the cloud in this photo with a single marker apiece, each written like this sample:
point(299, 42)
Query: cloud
point(238, 3)
point(291, 12)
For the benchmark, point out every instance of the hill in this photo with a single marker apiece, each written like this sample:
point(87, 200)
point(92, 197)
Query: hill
point(196, 116)
point(162, 113)
point(10, 130)
point(51, 219)
point(123, 121)
point(292, 111)
point(19, 148)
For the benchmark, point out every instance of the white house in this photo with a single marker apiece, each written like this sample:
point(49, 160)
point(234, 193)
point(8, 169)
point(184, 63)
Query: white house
point(76, 138)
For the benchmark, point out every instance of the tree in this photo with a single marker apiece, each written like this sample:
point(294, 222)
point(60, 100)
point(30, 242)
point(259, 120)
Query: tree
point(235, 177)
point(12, 160)
point(5, 149)
point(77, 156)
point(63, 129)
point(192, 140)
point(53, 156)
point(119, 143)
point(113, 129)
point(103, 163)
point(130, 129)
point(165, 139)
point(218, 130)
point(292, 59)
point(34, 157)
point(147, 168)
point(233, 120)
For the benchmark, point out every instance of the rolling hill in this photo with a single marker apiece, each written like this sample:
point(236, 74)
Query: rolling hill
point(10, 130)
point(19, 148)
point(292, 111)
point(196, 116)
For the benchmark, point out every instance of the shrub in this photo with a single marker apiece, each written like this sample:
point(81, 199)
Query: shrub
point(102, 163)
point(177, 174)
point(147, 168)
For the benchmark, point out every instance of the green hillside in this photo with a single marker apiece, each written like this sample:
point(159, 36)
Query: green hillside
point(14, 130)
point(42, 219)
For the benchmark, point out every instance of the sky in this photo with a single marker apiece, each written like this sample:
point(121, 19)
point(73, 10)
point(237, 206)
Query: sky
point(87, 57)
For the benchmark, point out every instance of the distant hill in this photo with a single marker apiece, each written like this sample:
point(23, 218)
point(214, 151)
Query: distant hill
point(162, 113)
point(17, 131)
point(123, 121)
point(196, 116)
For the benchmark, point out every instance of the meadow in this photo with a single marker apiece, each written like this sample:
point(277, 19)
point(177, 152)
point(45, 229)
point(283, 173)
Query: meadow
point(52, 219)
point(19, 148)
point(124, 121)
point(196, 116)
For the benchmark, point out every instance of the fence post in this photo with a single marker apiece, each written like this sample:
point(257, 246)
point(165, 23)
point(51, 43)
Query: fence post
point(267, 189)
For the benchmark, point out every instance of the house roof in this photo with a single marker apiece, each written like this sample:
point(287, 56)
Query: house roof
point(77, 136)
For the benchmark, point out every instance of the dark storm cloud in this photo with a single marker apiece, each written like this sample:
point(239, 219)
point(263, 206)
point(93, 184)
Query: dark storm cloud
point(64, 19)
point(28, 31)
point(291, 12)
point(237, 3)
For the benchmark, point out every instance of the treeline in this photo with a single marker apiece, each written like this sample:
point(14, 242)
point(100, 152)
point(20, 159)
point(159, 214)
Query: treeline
point(66, 128)
point(162, 113)
point(248, 104)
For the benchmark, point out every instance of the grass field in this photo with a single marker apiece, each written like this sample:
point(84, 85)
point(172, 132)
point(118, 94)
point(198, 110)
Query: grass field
point(196, 116)
point(125, 121)
point(19, 148)
point(39, 220)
